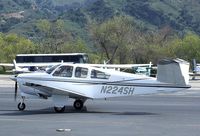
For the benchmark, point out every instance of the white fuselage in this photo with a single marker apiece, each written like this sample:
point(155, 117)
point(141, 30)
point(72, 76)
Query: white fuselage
point(118, 84)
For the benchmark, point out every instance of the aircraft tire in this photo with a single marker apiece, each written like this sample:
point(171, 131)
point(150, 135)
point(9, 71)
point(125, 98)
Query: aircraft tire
point(78, 104)
point(59, 109)
point(21, 106)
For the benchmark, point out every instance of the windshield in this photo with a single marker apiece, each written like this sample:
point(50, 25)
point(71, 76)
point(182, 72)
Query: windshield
point(52, 68)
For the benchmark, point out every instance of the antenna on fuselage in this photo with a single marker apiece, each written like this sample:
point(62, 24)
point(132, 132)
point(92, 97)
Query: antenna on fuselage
point(149, 69)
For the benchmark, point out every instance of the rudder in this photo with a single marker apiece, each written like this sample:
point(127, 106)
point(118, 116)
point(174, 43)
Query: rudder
point(174, 71)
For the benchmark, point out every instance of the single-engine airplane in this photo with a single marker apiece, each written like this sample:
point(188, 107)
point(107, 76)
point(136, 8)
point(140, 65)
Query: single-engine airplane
point(82, 82)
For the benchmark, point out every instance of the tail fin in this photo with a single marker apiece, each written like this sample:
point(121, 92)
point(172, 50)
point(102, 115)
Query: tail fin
point(16, 69)
point(15, 64)
point(175, 71)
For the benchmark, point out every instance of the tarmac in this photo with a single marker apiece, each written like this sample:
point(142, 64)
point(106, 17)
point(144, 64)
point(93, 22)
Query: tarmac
point(172, 114)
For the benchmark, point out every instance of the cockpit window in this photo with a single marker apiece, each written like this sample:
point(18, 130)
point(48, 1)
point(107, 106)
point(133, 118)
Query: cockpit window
point(52, 69)
point(64, 71)
point(99, 75)
point(81, 72)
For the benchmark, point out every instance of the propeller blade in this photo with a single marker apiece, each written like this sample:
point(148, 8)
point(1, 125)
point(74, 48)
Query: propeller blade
point(15, 91)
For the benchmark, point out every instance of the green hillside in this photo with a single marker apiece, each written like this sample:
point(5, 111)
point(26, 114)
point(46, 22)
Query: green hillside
point(180, 15)
point(67, 22)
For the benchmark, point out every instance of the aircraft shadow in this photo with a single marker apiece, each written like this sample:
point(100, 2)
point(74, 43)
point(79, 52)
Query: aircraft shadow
point(68, 110)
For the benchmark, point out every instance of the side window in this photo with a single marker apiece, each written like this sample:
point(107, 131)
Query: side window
point(64, 71)
point(99, 75)
point(81, 72)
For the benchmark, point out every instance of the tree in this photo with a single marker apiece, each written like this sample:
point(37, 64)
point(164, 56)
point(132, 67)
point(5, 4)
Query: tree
point(151, 45)
point(112, 38)
point(78, 46)
point(53, 36)
point(187, 48)
point(12, 44)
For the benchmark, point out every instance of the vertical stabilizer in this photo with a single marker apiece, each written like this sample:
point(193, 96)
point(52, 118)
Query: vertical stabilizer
point(15, 64)
point(175, 71)
point(16, 69)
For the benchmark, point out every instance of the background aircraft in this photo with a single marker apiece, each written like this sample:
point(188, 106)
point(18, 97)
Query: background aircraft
point(25, 63)
point(195, 69)
point(33, 62)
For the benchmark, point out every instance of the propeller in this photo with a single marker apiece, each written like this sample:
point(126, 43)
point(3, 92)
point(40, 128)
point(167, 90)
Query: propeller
point(16, 88)
point(15, 91)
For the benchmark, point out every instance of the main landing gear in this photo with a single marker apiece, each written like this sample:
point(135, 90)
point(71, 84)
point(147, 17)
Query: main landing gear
point(78, 104)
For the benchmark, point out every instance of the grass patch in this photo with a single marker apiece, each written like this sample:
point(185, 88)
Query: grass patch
point(3, 71)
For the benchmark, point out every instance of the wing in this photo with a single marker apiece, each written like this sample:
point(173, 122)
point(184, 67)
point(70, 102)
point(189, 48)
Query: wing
point(7, 64)
point(36, 64)
point(125, 66)
point(53, 90)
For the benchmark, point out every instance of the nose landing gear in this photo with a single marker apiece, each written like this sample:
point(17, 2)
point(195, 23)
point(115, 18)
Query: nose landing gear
point(21, 106)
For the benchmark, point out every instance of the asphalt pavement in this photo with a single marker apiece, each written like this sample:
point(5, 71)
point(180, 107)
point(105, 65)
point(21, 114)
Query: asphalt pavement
point(173, 114)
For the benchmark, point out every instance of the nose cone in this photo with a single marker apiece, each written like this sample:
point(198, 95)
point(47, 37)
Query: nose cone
point(17, 77)
point(13, 77)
